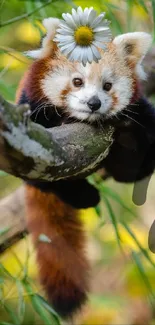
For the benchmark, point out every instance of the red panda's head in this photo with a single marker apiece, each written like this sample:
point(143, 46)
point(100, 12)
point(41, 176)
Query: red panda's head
point(99, 89)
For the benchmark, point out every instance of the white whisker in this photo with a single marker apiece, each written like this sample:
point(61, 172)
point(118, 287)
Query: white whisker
point(57, 111)
point(129, 117)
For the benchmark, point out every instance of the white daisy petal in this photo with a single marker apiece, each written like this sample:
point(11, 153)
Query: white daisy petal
point(101, 29)
point(65, 31)
point(65, 38)
point(65, 43)
point(103, 32)
point(77, 52)
point(80, 14)
point(83, 55)
point(63, 25)
point(75, 17)
point(89, 54)
point(78, 46)
point(82, 19)
point(94, 58)
point(96, 52)
point(68, 48)
point(103, 24)
point(85, 14)
point(102, 38)
point(74, 55)
point(69, 20)
point(97, 20)
point(100, 45)
point(91, 16)
point(88, 13)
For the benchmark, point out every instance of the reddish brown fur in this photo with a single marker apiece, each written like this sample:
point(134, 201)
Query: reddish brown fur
point(135, 87)
point(65, 92)
point(62, 263)
point(115, 101)
point(32, 79)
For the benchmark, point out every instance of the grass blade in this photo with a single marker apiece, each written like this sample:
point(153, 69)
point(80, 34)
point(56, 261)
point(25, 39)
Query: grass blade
point(50, 310)
point(142, 272)
point(109, 192)
point(153, 12)
point(143, 5)
point(11, 312)
point(113, 220)
point(21, 301)
point(38, 305)
point(6, 272)
point(144, 252)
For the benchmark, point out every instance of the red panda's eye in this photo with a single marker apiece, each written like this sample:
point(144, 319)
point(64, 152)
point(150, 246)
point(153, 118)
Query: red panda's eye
point(107, 86)
point(77, 82)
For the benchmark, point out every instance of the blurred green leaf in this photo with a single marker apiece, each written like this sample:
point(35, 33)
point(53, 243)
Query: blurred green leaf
point(143, 4)
point(71, 3)
point(7, 91)
point(50, 309)
point(144, 251)
point(39, 307)
point(21, 301)
point(142, 272)
point(112, 6)
point(113, 219)
point(129, 5)
point(5, 272)
point(153, 12)
point(109, 192)
point(12, 313)
point(117, 27)
point(5, 323)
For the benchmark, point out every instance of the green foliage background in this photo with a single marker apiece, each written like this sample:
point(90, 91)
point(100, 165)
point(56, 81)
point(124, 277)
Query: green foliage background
point(118, 236)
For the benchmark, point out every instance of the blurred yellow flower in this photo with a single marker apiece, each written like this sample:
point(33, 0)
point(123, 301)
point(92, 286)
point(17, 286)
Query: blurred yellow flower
point(13, 259)
point(139, 12)
point(13, 60)
point(84, 3)
point(28, 33)
point(89, 218)
point(107, 233)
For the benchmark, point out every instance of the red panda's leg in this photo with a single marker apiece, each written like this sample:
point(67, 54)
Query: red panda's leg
point(62, 263)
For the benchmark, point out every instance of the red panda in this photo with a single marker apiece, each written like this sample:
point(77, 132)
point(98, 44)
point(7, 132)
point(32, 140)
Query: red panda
point(59, 91)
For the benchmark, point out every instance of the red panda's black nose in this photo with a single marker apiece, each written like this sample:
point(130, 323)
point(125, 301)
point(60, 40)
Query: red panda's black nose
point(94, 103)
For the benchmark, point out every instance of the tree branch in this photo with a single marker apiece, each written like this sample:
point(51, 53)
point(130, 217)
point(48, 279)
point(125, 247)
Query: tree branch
point(12, 219)
point(26, 15)
point(30, 151)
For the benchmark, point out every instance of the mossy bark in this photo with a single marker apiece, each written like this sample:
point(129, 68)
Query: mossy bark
point(30, 151)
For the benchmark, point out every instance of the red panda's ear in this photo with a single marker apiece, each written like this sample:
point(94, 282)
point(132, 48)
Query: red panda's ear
point(48, 45)
point(133, 46)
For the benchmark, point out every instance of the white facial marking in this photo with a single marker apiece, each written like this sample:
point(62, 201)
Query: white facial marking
point(54, 83)
point(76, 100)
point(113, 68)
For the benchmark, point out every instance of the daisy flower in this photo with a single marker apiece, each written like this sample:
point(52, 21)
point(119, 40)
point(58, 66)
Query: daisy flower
point(81, 34)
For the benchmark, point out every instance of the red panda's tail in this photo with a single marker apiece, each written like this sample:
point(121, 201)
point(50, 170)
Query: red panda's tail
point(62, 263)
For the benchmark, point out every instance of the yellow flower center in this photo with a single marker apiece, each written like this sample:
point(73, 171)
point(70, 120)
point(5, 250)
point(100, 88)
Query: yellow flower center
point(84, 36)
